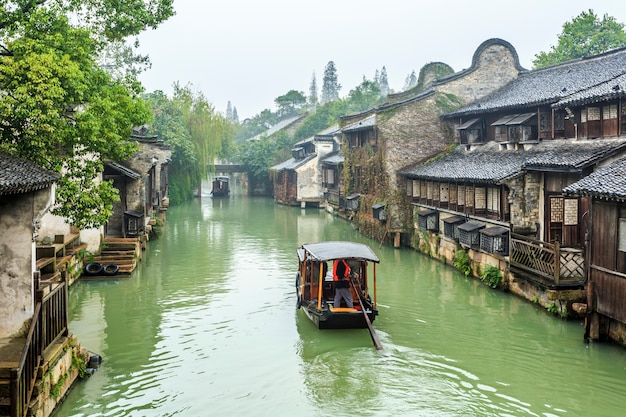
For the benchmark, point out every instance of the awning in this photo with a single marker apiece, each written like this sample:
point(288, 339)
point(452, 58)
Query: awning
point(520, 119)
point(503, 120)
point(468, 124)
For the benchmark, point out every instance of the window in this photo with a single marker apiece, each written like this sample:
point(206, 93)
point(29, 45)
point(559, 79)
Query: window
point(622, 235)
point(545, 122)
point(470, 132)
point(416, 189)
point(522, 128)
point(329, 176)
point(559, 120)
point(493, 200)
point(500, 129)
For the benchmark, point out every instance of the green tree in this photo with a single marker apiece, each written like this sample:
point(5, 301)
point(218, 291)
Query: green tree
point(325, 116)
point(229, 111)
point(365, 96)
point(330, 85)
point(197, 133)
point(585, 35)
point(313, 100)
point(235, 118)
point(410, 81)
point(290, 103)
point(259, 155)
point(61, 109)
point(256, 125)
point(383, 82)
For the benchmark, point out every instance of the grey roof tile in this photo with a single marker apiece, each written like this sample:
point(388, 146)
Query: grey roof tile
point(551, 84)
point(489, 164)
point(607, 182)
point(19, 176)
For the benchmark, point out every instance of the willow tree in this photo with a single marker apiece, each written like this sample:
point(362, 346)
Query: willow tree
point(197, 133)
point(58, 107)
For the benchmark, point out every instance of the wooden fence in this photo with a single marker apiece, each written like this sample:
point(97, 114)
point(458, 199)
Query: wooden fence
point(561, 266)
point(49, 323)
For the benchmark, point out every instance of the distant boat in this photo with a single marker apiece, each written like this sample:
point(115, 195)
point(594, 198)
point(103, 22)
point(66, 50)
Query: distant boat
point(220, 186)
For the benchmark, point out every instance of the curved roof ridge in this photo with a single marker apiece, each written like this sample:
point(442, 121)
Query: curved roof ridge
point(475, 58)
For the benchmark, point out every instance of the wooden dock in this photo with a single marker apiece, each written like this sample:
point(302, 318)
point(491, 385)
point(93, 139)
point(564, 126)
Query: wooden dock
point(123, 252)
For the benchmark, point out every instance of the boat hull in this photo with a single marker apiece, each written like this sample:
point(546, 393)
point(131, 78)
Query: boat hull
point(327, 319)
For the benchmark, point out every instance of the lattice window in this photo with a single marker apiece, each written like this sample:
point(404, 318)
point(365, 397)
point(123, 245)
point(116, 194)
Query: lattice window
point(556, 210)
point(559, 120)
point(481, 198)
point(609, 112)
point(493, 199)
point(545, 122)
point(444, 195)
point(461, 195)
point(593, 113)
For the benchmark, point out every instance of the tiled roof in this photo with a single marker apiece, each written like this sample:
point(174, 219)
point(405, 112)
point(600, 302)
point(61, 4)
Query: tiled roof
point(485, 163)
point(333, 158)
point(607, 182)
point(279, 126)
point(489, 164)
point(123, 170)
point(576, 154)
point(19, 176)
point(612, 88)
point(367, 123)
point(551, 84)
point(292, 163)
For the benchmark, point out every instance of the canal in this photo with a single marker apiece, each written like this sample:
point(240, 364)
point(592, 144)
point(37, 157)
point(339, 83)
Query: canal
point(207, 326)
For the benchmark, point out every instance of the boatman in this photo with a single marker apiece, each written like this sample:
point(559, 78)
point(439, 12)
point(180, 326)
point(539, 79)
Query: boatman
point(341, 276)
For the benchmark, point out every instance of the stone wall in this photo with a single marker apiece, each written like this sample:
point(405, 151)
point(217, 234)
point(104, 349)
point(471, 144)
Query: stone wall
point(524, 200)
point(63, 365)
point(557, 302)
point(495, 63)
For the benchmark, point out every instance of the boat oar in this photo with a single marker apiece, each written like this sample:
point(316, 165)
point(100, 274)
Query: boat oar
point(375, 340)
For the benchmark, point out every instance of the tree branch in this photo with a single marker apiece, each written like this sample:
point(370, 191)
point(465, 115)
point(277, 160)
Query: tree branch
point(26, 8)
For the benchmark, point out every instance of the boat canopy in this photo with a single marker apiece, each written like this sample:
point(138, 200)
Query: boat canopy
point(326, 251)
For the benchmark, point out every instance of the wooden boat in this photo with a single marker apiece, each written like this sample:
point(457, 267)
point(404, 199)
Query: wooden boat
point(315, 286)
point(220, 187)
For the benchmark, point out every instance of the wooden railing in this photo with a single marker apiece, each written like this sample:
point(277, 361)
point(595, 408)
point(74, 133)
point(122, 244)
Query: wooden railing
point(49, 323)
point(53, 312)
point(547, 260)
point(24, 376)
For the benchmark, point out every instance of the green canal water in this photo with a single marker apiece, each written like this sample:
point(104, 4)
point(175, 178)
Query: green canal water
point(207, 326)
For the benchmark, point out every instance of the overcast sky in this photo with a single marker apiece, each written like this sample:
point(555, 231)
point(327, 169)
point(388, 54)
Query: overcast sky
point(249, 52)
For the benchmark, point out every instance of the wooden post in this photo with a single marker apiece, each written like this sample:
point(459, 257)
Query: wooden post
point(557, 262)
point(590, 310)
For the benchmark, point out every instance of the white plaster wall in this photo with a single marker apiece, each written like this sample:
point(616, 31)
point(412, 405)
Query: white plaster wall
point(17, 258)
point(309, 184)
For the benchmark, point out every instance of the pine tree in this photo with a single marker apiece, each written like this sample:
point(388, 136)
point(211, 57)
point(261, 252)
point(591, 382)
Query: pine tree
point(330, 86)
point(410, 81)
point(235, 118)
point(313, 100)
point(383, 82)
point(229, 111)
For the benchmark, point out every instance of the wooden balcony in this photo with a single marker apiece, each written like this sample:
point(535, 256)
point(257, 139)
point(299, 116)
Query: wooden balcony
point(552, 265)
